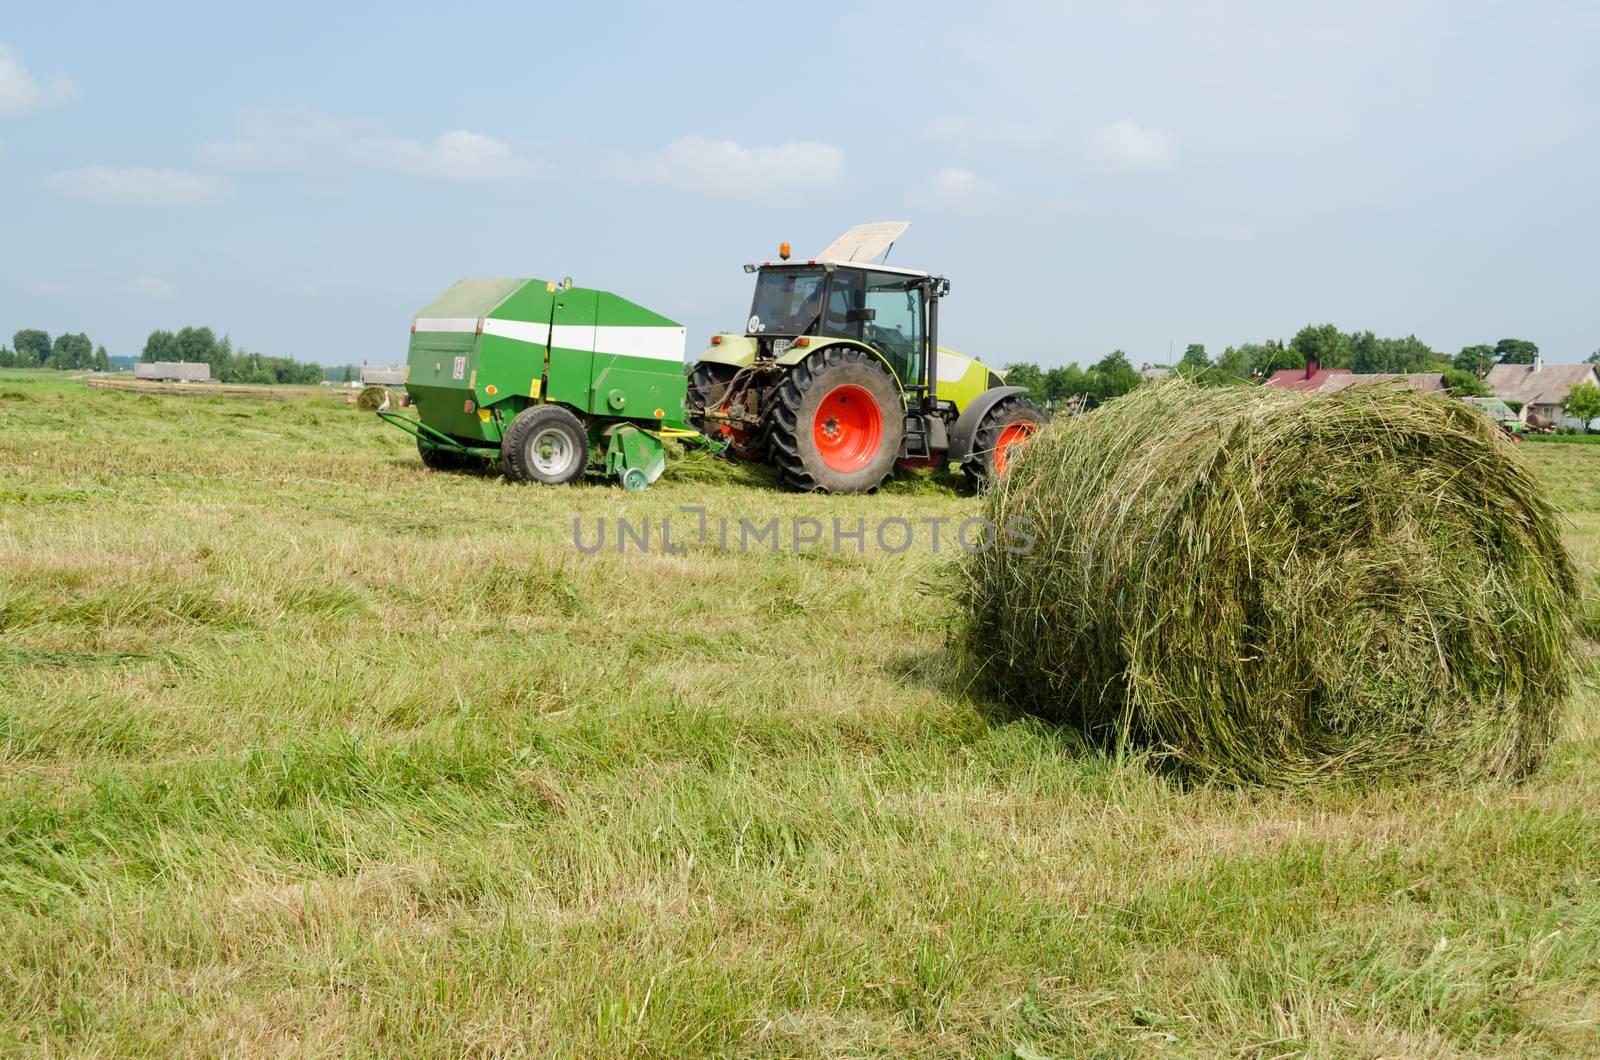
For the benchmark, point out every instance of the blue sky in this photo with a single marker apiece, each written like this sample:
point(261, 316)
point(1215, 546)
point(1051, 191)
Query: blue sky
point(304, 177)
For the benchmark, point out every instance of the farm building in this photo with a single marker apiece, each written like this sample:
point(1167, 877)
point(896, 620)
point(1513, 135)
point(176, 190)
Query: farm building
point(382, 375)
point(173, 371)
point(1329, 380)
point(1540, 388)
point(1421, 382)
point(1311, 377)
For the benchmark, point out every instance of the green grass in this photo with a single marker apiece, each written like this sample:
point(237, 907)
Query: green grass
point(306, 750)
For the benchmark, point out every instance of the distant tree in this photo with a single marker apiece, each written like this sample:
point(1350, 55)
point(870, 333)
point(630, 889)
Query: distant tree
point(1515, 351)
point(1410, 354)
point(8, 357)
point(102, 360)
point(1275, 357)
point(1233, 365)
point(1367, 354)
point(349, 375)
point(1475, 358)
point(196, 344)
point(1323, 343)
point(1583, 402)
point(1462, 383)
point(1063, 384)
point(1194, 364)
point(1111, 376)
point(159, 347)
point(1593, 358)
point(1020, 373)
point(1259, 355)
point(72, 352)
point(32, 346)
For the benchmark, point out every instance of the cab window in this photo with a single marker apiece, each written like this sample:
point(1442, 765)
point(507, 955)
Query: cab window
point(844, 294)
point(896, 327)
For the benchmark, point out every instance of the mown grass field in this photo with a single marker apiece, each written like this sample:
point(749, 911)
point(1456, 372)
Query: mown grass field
point(305, 750)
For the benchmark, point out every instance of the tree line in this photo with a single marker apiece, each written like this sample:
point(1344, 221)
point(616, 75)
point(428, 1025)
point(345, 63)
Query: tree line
point(228, 365)
point(1253, 362)
point(32, 348)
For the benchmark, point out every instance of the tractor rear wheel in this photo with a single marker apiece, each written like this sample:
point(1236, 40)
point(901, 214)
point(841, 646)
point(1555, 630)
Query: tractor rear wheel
point(837, 422)
point(545, 443)
point(1008, 425)
point(710, 387)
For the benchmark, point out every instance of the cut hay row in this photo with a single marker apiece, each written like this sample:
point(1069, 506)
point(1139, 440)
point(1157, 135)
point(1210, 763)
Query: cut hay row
point(1262, 586)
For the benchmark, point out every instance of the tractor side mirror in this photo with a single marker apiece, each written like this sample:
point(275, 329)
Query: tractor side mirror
point(857, 316)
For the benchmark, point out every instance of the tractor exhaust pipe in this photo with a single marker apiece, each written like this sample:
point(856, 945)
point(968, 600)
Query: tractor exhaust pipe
point(937, 287)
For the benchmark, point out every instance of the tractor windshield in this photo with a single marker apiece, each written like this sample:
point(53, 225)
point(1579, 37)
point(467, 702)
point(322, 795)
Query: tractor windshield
point(788, 301)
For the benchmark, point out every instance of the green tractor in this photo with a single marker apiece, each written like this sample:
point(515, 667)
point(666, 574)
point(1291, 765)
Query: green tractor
point(547, 378)
point(839, 379)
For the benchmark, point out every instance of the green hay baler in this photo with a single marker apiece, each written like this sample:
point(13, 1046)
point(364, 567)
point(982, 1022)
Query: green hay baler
point(546, 378)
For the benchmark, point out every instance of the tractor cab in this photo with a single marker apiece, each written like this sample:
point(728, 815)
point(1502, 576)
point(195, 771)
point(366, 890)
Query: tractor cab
point(876, 305)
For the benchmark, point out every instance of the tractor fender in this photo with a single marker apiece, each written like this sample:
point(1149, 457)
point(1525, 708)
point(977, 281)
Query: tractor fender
point(966, 427)
point(737, 350)
point(795, 354)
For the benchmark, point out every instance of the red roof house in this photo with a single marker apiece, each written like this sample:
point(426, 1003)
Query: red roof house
point(1311, 377)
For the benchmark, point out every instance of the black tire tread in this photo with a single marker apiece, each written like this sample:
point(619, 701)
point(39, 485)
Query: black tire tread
point(979, 465)
point(526, 422)
point(783, 434)
point(435, 459)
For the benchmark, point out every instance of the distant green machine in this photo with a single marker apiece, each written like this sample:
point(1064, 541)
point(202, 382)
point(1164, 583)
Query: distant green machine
point(545, 377)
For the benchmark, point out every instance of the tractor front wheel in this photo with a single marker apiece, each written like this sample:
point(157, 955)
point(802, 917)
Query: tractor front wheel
point(1006, 427)
point(837, 423)
point(545, 443)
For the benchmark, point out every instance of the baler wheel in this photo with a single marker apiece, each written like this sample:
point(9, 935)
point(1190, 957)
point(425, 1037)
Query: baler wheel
point(545, 443)
point(837, 422)
point(435, 459)
point(1007, 426)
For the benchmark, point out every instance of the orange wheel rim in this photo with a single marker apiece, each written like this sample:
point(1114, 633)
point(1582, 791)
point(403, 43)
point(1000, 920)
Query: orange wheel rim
point(848, 428)
point(1012, 435)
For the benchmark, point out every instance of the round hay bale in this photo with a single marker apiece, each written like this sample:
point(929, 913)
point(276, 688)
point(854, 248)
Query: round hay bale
point(1262, 586)
point(372, 398)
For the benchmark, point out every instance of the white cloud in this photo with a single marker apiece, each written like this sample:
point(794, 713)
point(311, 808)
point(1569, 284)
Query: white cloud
point(152, 287)
point(1127, 145)
point(132, 185)
point(954, 189)
point(20, 93)
point(279, 138)
point(722, 167)
point(457, 155)
point(300, 137)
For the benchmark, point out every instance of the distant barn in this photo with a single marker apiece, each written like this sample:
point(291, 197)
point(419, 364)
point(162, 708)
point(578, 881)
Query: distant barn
point(173, 371)
point(381, 375)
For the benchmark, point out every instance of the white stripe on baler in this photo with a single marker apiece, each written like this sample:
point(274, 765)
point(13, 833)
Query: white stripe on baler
point(573, 336)
point(445, 324)
point(658, 344)
point(521, 330)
